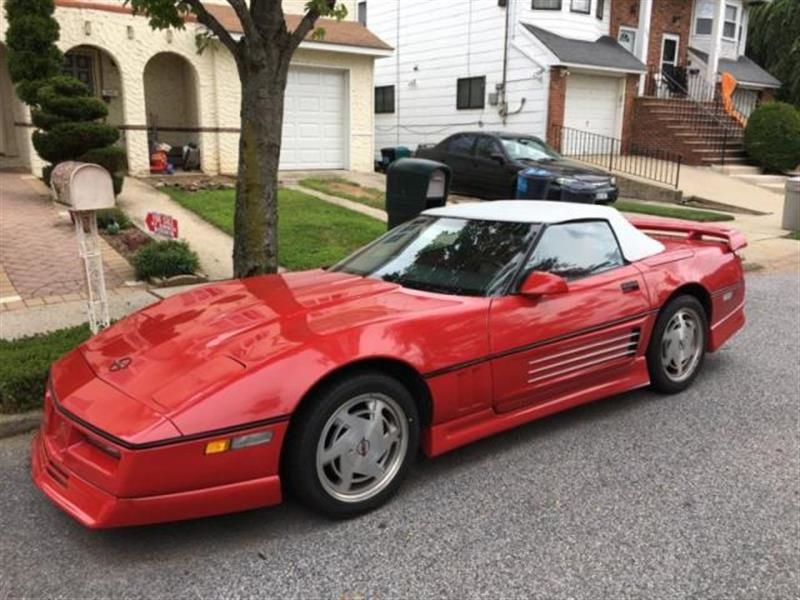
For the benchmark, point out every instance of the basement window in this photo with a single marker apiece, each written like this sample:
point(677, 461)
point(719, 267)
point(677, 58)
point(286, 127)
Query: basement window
point(384, 99)
point(471, 93)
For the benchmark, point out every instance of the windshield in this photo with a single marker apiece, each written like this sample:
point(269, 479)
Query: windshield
point(528, 149)
point(446, 255)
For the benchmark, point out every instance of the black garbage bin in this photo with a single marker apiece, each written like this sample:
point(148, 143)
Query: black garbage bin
point(391, 154)
point(414, 185)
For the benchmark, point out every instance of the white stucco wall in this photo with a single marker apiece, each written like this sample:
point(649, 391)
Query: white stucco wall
point(130, 43)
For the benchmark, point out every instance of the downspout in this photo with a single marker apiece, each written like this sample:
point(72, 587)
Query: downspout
point(397, 75)
point(504, 103)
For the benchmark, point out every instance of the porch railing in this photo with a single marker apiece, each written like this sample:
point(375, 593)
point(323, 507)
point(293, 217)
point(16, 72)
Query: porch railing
point(699, 107)
point(647, 162)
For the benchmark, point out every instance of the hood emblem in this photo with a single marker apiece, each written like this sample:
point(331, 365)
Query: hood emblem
point(121, 363)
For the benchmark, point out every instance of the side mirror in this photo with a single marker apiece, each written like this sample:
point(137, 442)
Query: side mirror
point(541, 283)
point(498, 158)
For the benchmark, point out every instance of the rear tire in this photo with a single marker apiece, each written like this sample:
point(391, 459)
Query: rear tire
point(678, 345)
point(351, 445)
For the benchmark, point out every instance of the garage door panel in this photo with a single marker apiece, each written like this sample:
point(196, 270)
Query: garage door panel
point(592, 104)
point(314, 135)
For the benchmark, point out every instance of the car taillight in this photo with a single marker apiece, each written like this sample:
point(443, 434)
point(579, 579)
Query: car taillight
point(103, 446)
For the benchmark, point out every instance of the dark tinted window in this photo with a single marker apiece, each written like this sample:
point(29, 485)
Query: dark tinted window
point(600, 8)
point(471, 92)
point(487, 146)
point(384, 99)
point(460, 144)
point(446, 255)
point(575, 250)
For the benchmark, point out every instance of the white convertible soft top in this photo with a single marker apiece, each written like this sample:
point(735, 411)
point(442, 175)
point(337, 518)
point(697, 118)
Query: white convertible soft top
point(635, 244)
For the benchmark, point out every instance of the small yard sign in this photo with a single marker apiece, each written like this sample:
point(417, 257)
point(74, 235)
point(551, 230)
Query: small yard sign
point(161, 224)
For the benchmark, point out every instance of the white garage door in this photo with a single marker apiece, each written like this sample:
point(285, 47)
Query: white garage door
point(314, 120)
point(593, 104)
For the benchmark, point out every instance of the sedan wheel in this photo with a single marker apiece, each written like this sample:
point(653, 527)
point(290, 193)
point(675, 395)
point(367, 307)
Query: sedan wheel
point(677, 345)
point(350, 445)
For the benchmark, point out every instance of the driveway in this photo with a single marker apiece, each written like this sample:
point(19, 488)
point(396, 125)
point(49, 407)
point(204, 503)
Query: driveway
point(695, 495)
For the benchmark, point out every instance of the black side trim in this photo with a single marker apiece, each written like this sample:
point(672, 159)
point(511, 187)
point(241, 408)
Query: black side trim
point(168, 441)
point(510, 351)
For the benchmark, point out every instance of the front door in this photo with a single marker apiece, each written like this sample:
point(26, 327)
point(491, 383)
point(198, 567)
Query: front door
point(669, 53)
point(548, 347)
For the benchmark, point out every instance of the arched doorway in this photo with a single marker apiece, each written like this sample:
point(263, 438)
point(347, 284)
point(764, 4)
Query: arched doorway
point(14, 146)
point(170, 91)
point(99, 71)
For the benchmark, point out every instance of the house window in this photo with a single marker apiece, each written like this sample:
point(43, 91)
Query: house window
point(471, 92)
point(627, 39)
point(362, 13)
point(384, 99)
point(546, 4)
point(730, 23)
point(600, 9)
point(81, 67)
point(703, 26)
point(581, 6)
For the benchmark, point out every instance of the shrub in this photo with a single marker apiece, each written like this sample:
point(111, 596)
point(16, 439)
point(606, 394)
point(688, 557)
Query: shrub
point(69, 141)
point(113, 218)
point(772, 136)
point(165, 259)
point(25, 363)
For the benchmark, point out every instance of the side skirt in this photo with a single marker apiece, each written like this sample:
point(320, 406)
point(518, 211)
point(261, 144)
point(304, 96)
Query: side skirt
point(443, 437)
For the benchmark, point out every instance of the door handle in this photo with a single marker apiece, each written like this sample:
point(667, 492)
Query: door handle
point(629, 286)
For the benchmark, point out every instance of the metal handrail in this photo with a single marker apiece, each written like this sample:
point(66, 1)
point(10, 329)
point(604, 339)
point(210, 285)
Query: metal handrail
point(715, 131)
point(639, 160)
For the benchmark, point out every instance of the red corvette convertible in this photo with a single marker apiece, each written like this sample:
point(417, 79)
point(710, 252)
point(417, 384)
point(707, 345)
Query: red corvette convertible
point(464, 322)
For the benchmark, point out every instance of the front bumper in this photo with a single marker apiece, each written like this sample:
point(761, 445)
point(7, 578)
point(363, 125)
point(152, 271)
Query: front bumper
point(595, 196)
point(96, 508)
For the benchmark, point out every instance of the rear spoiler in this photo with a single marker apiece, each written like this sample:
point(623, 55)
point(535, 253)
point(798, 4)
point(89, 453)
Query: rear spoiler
point(692, 229)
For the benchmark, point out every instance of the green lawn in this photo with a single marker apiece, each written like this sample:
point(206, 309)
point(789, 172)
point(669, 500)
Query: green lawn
point(25, 363)
point(795, 235)
point(344, 188)
point(665, 210)
point(311, 232)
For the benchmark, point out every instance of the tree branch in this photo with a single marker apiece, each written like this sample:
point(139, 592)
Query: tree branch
point(304, 28)
point(207, 19)
point(240, 7)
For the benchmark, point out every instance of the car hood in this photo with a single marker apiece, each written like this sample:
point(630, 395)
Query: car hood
point(188, 346)
point(563, 167)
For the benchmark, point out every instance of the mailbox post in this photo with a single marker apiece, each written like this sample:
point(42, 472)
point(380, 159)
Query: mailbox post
point(86, 188)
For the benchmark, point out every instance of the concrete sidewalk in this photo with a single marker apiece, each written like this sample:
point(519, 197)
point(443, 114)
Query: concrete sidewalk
point(214, 247)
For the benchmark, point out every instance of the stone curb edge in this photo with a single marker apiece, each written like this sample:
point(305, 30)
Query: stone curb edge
point(11, 425)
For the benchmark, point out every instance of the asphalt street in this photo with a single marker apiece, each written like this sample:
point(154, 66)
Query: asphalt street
point(695, 495)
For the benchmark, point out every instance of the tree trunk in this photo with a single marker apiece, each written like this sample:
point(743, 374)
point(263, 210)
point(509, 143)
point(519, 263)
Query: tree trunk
point(255, 244)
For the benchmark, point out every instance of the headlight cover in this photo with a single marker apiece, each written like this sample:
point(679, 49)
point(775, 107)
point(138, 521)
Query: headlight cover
point(566, 181)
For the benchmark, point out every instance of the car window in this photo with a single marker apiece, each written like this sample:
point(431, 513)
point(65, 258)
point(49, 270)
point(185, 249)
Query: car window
point(460, 144)
point(574, 250)
point(528, 149)
point(487, 146)
point(467, 257)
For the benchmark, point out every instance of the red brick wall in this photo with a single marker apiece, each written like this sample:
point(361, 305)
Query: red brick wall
point(669, 16)
point(555, 103)
point(631, 89)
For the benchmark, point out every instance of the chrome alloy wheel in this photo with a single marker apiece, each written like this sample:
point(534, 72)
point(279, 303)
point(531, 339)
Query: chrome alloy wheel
point(682, 345)
point(362, 447)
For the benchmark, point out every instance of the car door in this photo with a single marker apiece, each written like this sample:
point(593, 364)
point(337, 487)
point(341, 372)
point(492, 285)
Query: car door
point(491, 169)
point(458, 156)
point(547, 347)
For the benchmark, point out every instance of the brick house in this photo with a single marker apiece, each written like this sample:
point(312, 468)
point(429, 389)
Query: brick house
point(609, 72)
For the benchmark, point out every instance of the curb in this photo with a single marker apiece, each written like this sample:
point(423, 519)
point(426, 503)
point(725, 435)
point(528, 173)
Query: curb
point(11, 425)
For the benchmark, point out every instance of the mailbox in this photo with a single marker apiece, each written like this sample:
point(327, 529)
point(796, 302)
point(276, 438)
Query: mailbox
point(82, 186)
point(414, 185)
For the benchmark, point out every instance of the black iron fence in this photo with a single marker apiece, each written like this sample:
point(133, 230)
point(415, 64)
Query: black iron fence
point(647, 162)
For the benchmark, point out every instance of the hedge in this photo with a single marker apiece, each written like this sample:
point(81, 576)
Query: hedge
point(772, 136)
point(165, 259)
point(25, 364)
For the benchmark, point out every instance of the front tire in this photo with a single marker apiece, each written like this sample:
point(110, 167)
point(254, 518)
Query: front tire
point(678, 345)
point(351, 445)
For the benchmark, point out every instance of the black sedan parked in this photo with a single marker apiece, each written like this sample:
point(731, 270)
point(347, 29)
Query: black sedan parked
point(488, 165)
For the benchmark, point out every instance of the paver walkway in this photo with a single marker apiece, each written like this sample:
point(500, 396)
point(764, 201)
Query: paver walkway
point(39, 262)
